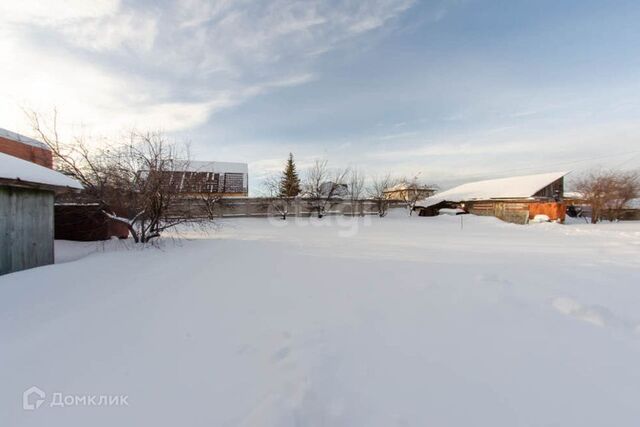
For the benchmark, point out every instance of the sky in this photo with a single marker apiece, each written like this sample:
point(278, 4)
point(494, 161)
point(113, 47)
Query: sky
point(448, 90)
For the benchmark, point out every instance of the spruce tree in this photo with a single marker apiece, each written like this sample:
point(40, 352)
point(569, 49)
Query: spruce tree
point(290, 183)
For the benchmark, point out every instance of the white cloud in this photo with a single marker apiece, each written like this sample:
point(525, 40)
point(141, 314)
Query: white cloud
point(50, 12)
point(133, 31)
point(107, 63)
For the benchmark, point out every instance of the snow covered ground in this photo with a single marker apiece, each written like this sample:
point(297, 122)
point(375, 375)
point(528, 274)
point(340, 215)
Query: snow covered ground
point(367, 322)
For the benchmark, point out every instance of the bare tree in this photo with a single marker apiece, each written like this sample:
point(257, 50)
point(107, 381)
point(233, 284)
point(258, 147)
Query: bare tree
point(356, 189)
point(412, 190)
point(323, 185)
point(376, 191)
point(73, 158)
point(210, 202)
point(608, 192)
point(277, 200)
point(134, 180)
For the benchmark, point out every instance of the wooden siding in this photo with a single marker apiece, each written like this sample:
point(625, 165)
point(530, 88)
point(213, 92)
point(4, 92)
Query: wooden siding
point(26, 228)
point(552, 191)
point(86, 223)
point(516, 211)
point(262, 207)
point(555, 211)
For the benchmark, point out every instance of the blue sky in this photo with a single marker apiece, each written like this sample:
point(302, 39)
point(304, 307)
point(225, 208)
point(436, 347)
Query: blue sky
point(452, 90)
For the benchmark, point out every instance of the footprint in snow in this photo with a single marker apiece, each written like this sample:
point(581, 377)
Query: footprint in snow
point(594, 314)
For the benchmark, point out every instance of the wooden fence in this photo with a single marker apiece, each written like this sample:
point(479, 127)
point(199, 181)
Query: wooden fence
point(264, 207)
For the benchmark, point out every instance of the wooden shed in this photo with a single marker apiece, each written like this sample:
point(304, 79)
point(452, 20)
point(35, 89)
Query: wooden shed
point(515, 199)
point(81, 219)
point(26, 212)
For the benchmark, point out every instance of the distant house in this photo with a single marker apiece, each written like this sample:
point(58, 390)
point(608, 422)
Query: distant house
point(408, 191)
point(195, 178)
point(516, 199)
point(332, 189)
point(82, 218)
point(26, 212)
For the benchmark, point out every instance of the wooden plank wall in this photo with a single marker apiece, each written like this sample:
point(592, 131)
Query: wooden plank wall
point(261, 207)
point(518, 212)
point(26, 228)
point(555, 211)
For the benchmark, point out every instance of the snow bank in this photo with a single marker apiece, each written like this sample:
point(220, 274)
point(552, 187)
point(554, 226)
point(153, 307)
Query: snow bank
point(358, 322)
point(446, 211)
point(541, 218)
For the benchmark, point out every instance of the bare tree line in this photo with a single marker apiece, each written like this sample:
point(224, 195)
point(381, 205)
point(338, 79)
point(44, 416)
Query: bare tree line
point(607, 192)
point(130, 178)
point(325, 186)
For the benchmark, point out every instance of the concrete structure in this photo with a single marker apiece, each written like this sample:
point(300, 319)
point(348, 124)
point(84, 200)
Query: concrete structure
point(237, 207)
point(516, 199)
point(26, 212)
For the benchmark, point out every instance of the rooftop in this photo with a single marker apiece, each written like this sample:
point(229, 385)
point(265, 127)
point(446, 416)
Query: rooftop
point(13, 168)
point(4, 133)
point(217, 167)
point(517, 187)
point(408, 186)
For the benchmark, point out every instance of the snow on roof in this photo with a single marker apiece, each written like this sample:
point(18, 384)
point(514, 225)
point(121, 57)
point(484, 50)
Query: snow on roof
point(218, 167)
point(572, 195)
point(406, 186)
point(21, 138)
point(17, 169)
point(516, 187)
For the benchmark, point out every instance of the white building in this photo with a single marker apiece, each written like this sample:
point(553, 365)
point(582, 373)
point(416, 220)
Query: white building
point(224, 178)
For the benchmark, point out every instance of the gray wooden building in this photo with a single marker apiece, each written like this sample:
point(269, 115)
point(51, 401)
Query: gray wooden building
point(26, 212)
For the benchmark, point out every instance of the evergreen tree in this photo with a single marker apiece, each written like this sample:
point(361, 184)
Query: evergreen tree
point(290, 183)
